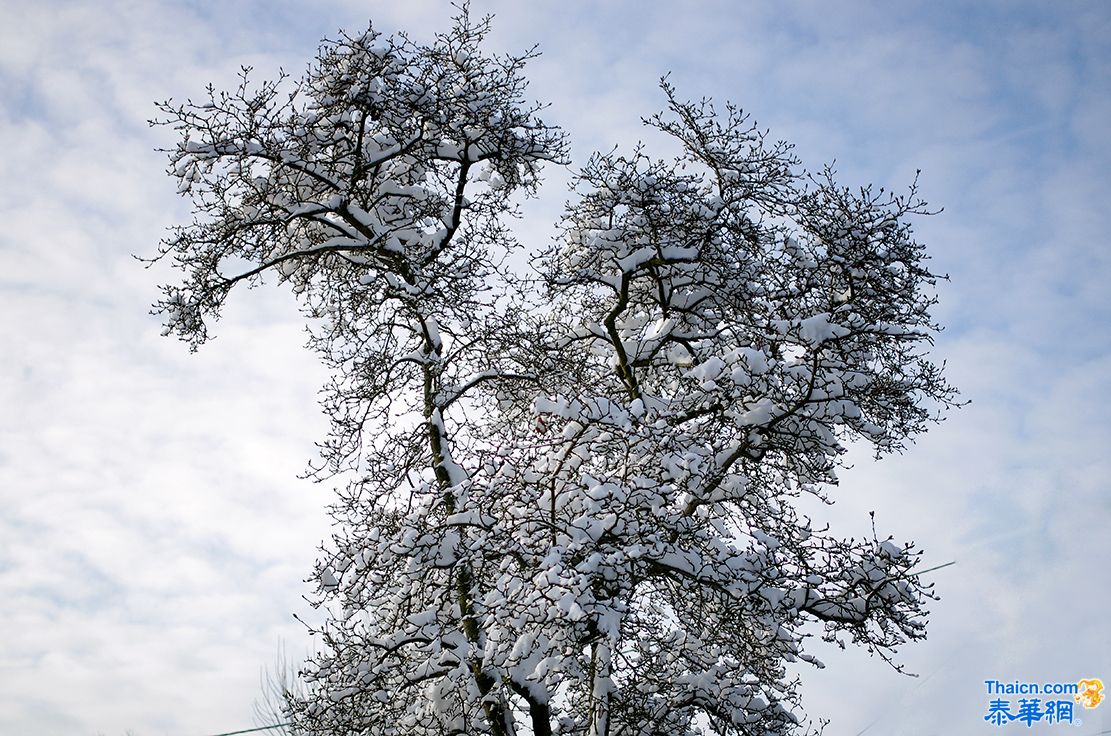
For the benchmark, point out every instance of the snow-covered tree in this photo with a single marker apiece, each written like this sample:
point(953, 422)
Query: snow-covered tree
point(569, 498)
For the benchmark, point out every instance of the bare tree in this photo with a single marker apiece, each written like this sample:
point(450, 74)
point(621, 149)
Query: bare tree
point(279, 684)
point(570, 497)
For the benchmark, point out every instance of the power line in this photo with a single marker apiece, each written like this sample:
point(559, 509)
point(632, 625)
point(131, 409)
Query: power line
point(252, 730)
point(938, 567)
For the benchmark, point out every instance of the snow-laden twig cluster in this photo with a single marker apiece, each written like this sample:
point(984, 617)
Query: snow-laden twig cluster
point(569, 501)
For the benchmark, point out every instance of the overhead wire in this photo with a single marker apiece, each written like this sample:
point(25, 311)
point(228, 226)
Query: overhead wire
point(252, 730)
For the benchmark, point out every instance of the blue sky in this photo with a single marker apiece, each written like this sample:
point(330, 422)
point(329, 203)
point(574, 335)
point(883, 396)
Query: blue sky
point(154, 535)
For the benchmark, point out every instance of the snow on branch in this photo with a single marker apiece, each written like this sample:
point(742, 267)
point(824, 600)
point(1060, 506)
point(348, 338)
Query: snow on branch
point(569, 497)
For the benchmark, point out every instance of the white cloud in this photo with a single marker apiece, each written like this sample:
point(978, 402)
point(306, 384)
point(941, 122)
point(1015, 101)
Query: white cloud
point(154, 535)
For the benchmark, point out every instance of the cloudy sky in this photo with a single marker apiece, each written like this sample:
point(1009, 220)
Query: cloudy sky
point(153, 531)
